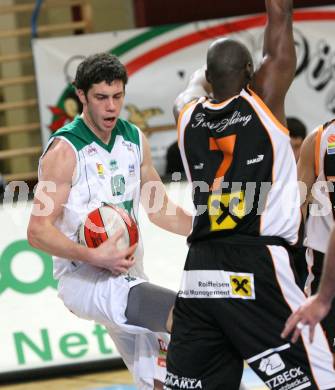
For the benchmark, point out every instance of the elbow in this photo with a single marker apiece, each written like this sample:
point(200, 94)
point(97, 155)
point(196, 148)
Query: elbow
point(32, 235)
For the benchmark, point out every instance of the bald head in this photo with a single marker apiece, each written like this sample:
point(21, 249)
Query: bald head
point(227, 61)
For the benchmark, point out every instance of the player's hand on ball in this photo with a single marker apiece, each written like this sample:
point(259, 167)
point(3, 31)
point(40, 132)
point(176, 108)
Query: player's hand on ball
point(108, 256)
point(112, 235)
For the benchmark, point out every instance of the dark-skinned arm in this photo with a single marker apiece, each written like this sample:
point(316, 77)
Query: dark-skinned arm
point(276, 73)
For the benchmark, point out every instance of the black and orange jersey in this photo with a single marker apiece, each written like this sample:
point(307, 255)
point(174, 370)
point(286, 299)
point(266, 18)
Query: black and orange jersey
point(322, 214)
point(239, 159)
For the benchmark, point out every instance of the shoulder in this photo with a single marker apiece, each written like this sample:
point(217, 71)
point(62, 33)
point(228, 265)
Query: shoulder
point(59, 161)
point(180, 111)
point(330, 125)
point(309, 151)
point(74, 133)
point(59, 150)
point(308, 146)
point(128, 131)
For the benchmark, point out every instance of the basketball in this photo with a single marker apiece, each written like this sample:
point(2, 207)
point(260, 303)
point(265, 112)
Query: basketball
point(103, 222)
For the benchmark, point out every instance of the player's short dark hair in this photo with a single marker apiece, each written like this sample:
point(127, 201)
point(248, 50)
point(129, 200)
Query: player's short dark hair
point(296, 127)
point(97, 68)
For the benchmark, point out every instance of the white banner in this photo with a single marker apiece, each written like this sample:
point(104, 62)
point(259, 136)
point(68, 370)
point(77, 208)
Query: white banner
point(36, 329)
point(160, 61)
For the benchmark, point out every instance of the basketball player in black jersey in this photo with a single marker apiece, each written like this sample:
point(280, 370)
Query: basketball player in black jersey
point(238, 286)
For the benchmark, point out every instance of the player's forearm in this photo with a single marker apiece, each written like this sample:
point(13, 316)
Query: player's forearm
point(326, 291)
point(278, 35)
point(49, 239)
point(279, 8)
point(172, 218)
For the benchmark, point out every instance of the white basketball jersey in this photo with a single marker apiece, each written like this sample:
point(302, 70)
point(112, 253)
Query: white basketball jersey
point(321, 215)
point(104, 174)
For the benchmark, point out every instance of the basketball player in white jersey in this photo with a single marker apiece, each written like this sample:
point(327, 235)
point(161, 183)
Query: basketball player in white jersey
point(316, 170)
point(99, 158)
point(317, 306)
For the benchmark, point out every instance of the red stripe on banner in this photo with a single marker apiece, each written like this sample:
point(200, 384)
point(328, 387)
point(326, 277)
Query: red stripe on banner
point(216, 31)
point(191, 39)
point(304, 16)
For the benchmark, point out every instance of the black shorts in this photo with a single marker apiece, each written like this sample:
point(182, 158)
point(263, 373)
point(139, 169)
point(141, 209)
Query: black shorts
point(232, 306)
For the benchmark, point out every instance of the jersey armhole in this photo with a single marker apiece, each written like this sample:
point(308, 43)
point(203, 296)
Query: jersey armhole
point(140, 144)
point(75, 179)
point(317, 150)
point(284, 130)
point(193, 103)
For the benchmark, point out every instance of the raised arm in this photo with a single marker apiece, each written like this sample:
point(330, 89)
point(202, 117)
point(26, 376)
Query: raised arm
point(58, 167)
point(276, 73)
point(196, 87)
point(160, 209)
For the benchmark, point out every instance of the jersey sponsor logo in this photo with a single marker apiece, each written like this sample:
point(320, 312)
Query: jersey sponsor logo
point(113, 165)
point(128, 145)
point(256, 160)
point(100, 170)
point(225, 210)
point(331, 148)
point(221, 125)
point(181, 382)
point(198, 166)
point(91, 150)
point(271, 364)
point(294, 378)
point(129, 278)
point(131, 169)
point(241, 285)
point(217, 284)
point(118, 185)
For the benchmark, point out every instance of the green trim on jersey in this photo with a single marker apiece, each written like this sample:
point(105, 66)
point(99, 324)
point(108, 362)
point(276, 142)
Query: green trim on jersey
point(80, 135)
point(128, 131)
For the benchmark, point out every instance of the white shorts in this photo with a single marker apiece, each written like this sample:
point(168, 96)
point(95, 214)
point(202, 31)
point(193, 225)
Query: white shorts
point(94, 294)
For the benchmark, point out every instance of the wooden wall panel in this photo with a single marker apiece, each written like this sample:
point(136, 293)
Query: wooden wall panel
point(156, 12)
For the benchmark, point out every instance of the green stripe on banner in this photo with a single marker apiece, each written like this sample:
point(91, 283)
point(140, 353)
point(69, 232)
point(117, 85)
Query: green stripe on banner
point(141, 38)
point(123, 48)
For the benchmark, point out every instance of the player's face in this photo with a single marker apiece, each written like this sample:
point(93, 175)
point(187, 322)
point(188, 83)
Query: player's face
point(103, 104)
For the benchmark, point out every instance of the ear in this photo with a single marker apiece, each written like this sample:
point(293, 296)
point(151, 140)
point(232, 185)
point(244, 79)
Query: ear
point(81, 96)
point(249, 70)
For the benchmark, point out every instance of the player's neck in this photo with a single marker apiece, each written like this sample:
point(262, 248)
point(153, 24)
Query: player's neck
point(224, 92)
point(104, 136)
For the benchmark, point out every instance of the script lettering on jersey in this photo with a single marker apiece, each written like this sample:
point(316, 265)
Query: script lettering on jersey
point(221, 125)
